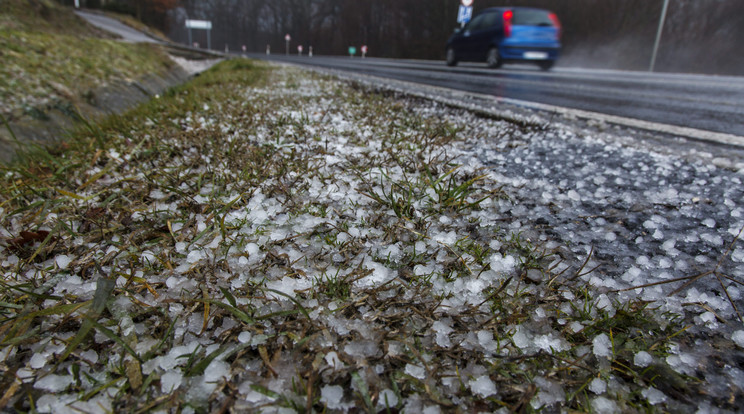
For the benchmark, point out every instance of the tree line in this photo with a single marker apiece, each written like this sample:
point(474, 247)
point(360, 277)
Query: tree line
point(699, 35)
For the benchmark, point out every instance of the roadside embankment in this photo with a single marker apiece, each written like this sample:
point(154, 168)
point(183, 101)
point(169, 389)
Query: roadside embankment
point(48, 124)
point(58, 70)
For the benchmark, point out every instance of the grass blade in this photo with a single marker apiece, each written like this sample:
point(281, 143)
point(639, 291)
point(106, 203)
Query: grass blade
point(296, 302)
point(363, 390)
point(199, 368)
point(104, 287)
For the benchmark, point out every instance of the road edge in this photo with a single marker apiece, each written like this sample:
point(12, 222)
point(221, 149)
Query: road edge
point(488, 104)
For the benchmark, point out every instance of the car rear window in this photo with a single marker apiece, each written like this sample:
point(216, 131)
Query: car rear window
point(526, 17)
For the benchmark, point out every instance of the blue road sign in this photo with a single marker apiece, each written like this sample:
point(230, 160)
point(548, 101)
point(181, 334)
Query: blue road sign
point(464, 14)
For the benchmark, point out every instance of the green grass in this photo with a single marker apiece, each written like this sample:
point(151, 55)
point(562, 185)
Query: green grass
point(52, 58)
point(157, 200)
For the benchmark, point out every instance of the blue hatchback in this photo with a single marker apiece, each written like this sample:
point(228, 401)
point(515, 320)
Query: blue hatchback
point(508, 34)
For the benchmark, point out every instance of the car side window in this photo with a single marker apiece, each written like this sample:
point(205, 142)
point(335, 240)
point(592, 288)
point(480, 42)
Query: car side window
point(476, 24)
point(491, 21)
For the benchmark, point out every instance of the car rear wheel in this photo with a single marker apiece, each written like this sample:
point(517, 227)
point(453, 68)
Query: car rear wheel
point(451, 57)
point(493, 59)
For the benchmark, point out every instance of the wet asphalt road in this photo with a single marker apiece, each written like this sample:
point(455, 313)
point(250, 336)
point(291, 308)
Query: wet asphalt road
point(708, 103)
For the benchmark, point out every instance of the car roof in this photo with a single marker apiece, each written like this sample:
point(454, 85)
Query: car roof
point(493, 9)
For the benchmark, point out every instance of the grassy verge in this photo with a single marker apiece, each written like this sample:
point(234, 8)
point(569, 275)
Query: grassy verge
point(52, 57)
point(265, 239)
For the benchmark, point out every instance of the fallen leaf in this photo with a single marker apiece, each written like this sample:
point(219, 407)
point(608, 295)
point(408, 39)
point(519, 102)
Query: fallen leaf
point(27, 237)
point(134, 373)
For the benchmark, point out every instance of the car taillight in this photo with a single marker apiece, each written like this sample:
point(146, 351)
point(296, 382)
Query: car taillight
point(556, 23)
point(508, 15)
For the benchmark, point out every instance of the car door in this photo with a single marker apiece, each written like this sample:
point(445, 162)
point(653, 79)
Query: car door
point(482, 36)
point(471, 37)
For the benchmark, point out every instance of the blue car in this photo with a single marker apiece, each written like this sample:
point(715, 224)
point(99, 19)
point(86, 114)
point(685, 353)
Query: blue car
point(508, 34)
